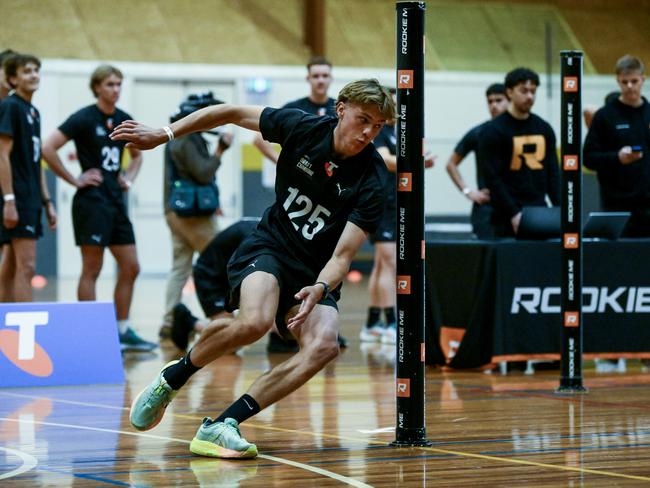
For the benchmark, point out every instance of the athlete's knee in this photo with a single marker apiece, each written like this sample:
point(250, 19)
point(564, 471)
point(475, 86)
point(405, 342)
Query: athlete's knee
point(323, 350)
point(26, 268)
point(130, 270)
point(254, 325)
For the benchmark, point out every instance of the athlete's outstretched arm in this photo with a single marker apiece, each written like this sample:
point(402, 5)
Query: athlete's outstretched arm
point(140, 136)
point(333, 273)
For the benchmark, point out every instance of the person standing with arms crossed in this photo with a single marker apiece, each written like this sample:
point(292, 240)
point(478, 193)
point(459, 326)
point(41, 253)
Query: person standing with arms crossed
point(329, 197)
point(99, 213)
point(22, 179)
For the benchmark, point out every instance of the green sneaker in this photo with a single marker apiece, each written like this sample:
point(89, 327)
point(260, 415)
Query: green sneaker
point(149, 406)
point(130, 341)
point(221, 440)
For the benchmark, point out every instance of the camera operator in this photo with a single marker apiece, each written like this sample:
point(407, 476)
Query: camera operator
point(188, 163)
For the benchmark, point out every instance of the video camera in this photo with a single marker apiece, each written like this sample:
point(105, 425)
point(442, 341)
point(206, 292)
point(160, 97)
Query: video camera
point(193, 103)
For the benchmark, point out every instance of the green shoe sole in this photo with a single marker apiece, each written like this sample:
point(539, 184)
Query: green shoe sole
point(210, 449)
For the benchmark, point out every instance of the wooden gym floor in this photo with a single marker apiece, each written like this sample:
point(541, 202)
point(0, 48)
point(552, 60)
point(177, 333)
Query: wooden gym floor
point(486, 429)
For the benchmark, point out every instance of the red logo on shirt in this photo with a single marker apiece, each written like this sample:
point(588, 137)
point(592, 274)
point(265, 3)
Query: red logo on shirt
point(330, 167)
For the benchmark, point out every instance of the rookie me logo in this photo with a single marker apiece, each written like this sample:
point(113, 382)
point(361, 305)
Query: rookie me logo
point(20, 346)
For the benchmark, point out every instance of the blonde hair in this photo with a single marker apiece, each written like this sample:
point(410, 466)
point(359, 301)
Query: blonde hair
point(369, 92)
point(102, 72)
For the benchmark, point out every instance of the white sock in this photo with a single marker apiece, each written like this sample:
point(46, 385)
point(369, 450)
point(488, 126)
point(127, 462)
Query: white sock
point(122, 325)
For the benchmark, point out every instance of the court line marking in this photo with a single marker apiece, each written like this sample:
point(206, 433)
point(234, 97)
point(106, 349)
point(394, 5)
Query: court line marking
point(295, 464)
point(384, 443)
point(29, 463)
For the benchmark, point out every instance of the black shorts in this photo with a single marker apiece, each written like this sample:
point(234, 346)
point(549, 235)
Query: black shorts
point(387, 227)
point(291, 280)
point(100, 223)
point(212, 290)
point(29, 226)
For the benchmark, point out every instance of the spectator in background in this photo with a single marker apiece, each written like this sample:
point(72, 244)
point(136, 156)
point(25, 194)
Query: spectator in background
point(381, 285)
point(618, 149)
point(99, 214)
point(189, 160)
point(22, 180)
point(319, 77)
point(318, 102)
point(211, 282)
point(517, 150)
point(497, 102)
point(5, 88)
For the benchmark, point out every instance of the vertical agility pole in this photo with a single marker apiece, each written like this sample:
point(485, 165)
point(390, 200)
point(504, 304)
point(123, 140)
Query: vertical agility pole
point(411, 429)
point(571, 160)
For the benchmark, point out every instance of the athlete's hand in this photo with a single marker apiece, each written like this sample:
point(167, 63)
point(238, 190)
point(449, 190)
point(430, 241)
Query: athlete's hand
point(627, 156)
point(90, 177)
point(479, 196)
point(515, 221)
point(429, 160)
point(138, 135)
point(124, 182)
point(310, 296)
point(50, 213)
point(10, 214)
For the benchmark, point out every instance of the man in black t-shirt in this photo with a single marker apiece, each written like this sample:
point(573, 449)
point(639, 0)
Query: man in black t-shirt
point(480, 197)
point(99, 214)
point(517, 150)
point(211, 282)
point(22, 180)
point(289, 270)
point(618, 149)
point(319, 77)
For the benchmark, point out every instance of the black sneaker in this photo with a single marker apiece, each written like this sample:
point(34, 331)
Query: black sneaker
point(343, 342)
point(278, 344)
point(182, 326)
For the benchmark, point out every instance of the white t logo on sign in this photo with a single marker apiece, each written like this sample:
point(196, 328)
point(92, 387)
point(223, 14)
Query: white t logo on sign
point(26, 323)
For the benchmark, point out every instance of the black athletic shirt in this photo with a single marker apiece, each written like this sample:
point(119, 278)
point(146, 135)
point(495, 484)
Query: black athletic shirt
point(469, 143)
point(214, 258)
point(306, 105)
point(316, 193)
point(387, 138)
point(520, 162)
point(622, 186)
point(89, 129)
point(21, 121)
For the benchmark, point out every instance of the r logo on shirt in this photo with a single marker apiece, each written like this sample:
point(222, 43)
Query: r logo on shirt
point(330, 167)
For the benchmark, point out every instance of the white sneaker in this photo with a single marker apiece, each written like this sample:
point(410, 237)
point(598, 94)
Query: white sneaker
point(390, 334)
point(374, 333)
